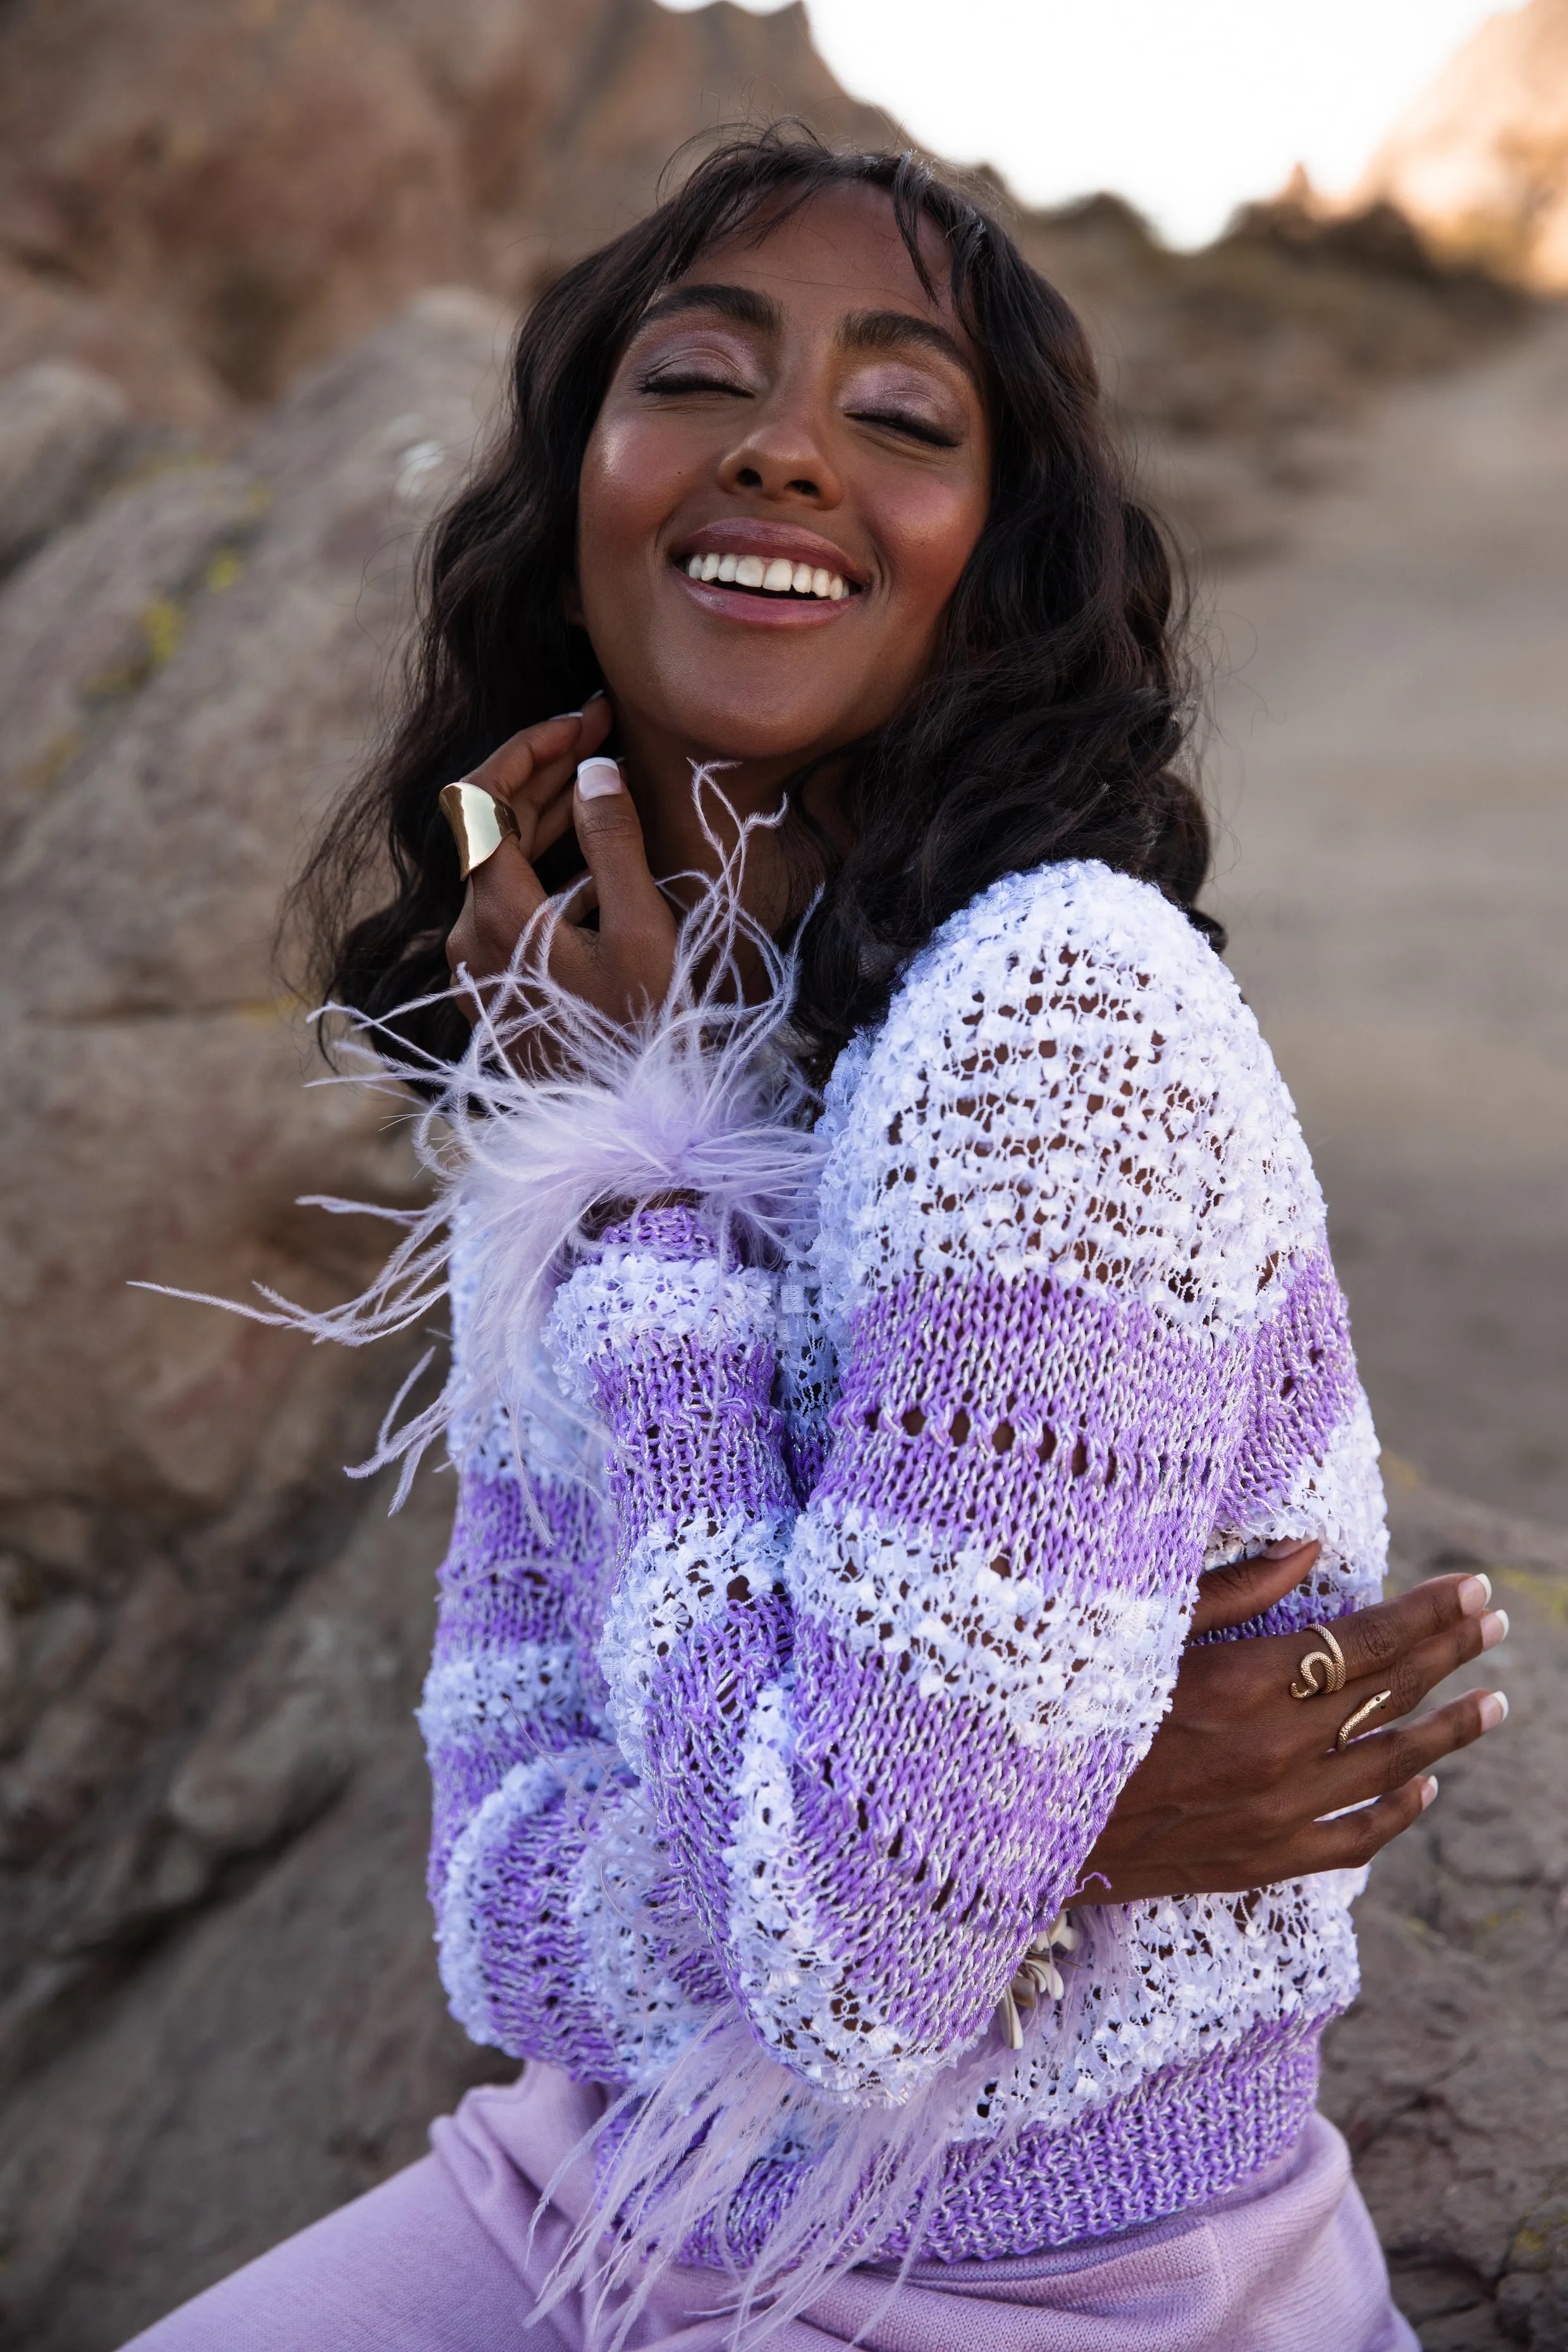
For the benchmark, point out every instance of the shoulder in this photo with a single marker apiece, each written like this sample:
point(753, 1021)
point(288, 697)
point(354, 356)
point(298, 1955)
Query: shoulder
point(1042, 928)
point(1066, 1046)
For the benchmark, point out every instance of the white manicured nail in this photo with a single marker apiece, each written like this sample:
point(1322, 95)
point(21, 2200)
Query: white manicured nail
point(1494, 1629)
point(597, 779)
point(1284, 1545)
point(1494, 1710)
point(1428, 1791)
point(1475, 1594)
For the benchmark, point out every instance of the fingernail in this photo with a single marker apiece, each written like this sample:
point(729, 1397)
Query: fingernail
point(1474, 1594)
point(1428, 1791)
point(597, 696)
point(1494, 1710)
point(1494, 1629)
point(1283, 1549)
point(598, 778)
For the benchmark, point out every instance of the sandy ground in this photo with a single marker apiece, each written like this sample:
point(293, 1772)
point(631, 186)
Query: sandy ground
point(1392, 766)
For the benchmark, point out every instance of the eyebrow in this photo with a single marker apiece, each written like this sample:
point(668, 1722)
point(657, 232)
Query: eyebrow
point(888, 330)
point(862, 330)
point(743, 304)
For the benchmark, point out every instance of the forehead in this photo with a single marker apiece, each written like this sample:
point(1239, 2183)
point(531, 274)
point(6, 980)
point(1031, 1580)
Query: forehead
point(839, 251)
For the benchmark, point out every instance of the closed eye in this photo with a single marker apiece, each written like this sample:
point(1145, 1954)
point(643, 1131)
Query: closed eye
point(918, 429)
point(690, 380)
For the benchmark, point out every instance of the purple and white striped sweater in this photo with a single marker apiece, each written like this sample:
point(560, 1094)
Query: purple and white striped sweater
point(805, 1689)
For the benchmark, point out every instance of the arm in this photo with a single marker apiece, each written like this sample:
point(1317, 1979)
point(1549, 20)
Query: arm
point(881, 1736)
point(514, 1734)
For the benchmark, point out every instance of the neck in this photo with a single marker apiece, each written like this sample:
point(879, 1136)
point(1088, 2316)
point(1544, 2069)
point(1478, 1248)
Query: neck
point(660, 773)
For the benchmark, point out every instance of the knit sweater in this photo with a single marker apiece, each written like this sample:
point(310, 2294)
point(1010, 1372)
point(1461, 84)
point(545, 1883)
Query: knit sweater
point(801, 1626)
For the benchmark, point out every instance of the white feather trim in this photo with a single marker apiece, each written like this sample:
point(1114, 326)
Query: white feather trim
point(555, 1112)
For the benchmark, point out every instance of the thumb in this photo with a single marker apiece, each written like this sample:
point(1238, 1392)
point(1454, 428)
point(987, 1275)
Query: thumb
point(1231, 1595)
point(637, 929)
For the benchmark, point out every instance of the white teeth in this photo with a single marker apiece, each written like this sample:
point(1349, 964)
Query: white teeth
point(776, 576)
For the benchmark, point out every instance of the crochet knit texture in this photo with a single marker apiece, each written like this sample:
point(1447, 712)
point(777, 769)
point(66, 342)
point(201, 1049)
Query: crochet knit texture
point(800, 1630)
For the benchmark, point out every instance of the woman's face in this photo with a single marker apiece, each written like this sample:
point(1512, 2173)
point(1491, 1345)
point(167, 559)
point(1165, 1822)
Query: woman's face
point(796, 409)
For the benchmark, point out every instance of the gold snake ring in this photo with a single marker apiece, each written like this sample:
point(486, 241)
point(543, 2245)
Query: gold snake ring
point(1332, 1656)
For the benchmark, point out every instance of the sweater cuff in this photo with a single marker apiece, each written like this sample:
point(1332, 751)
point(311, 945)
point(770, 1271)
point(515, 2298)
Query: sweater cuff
point(656, 1287)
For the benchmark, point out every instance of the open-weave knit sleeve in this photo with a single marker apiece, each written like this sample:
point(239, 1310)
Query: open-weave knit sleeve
point(881, 1727)
point(514, 1733)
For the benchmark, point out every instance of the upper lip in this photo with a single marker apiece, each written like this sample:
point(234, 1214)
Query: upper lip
point(739, 537)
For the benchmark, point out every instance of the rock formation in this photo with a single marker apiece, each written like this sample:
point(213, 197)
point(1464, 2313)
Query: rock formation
point(1480, 159)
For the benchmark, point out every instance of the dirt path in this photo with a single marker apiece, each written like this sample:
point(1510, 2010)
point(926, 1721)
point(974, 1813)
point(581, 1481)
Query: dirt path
point(1394, 768)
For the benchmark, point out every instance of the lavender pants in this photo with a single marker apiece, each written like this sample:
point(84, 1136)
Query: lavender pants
point(439, 2260)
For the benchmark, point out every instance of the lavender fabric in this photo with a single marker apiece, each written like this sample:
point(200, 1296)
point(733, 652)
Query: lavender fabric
point(440, 2259)
point(776, 1720)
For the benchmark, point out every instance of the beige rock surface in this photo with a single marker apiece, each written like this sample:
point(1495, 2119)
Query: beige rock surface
point(189, 670)
point(1480, 159)
point(1392, 713)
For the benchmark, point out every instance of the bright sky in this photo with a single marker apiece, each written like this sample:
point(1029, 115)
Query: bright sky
point(1187, 106)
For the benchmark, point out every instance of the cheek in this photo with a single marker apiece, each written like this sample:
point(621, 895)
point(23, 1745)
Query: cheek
point(932, 536)
point(633, 477)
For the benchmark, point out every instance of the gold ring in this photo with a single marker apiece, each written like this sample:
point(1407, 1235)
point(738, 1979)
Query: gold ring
point(1332, 1656)
point(480, 823)
point(1368, 1707)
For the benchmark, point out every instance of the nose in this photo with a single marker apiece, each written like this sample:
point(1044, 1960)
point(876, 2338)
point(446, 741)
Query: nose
point(782, 456)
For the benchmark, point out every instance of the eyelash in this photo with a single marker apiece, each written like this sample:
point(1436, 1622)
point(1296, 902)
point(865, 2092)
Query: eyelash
point(916, 427)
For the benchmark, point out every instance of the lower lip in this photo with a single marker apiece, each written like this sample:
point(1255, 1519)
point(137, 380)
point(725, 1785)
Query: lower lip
point(763, 612)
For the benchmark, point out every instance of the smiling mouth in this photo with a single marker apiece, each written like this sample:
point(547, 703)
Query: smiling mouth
point(775, 577)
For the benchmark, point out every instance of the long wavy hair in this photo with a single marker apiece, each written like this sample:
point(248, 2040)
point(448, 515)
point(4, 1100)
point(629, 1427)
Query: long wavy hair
point(1051, 724)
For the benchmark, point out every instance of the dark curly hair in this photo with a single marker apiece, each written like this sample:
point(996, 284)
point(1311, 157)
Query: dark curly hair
point(1050, 725)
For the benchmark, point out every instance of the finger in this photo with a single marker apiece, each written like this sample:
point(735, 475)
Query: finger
point(635, 920)
point(539, 761)
point(503, 896)
point(1352, 1838)
point(1244, 1589)
point(1411, 1677)
point(1350, 1842)
point(1374, 1641)
point(1381, 1761)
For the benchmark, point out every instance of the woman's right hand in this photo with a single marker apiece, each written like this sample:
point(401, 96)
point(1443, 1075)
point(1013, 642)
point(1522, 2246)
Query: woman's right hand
point(1237, 1784)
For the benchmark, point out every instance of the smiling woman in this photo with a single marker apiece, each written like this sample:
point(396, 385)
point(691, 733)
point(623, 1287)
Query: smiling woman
point(893, 1330)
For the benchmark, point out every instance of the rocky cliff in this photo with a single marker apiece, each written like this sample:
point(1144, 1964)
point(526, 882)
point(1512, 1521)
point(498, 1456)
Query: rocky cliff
point(1481, 161)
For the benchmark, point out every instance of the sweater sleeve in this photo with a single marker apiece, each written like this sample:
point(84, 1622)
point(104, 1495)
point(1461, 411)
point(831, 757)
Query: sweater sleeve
point(512, 1716)
point(879, 1730)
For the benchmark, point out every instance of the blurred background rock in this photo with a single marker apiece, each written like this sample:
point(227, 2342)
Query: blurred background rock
point(258, 259)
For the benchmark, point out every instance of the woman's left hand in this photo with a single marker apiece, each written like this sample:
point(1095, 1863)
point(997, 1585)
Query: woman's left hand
point(621, 966)
point(1235, 1787)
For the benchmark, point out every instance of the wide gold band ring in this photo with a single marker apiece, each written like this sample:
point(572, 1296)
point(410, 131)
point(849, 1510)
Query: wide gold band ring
point(480, 823)
point(1368, 1707)
point(1332, 1656)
